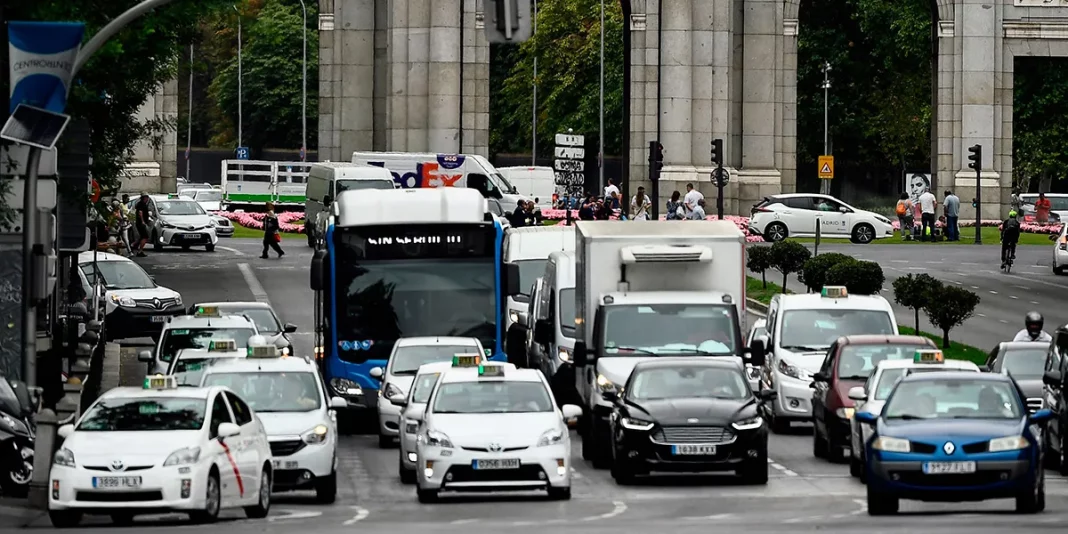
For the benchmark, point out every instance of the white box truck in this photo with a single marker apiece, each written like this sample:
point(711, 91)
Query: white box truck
point(649, 289)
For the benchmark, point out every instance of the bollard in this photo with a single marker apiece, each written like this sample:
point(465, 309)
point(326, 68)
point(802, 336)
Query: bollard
point(44, 448)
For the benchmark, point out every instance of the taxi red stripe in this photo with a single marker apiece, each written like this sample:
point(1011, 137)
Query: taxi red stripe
point(233, 464)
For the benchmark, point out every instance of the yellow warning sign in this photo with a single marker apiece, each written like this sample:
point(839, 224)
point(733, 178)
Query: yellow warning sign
point(826, 164)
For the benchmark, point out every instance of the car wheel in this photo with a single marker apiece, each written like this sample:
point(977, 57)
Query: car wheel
point(560, 494)
point(311, 238)
point(406, 476)
point(385, 442)
point(263, 501)
point(881, 503)
point(622, 473)
point(1034, 500)
point(776, 232)
point(426, 496)
point(755, 471)
point(778, 424)
point(855, 466)
point(819, 447)
point(64, 518)
point(602, 458)
point(586, 434)
point(326, 489)
point(212, 501)
point(155, 242)
point(863, 234)
point(209, 248)
point(1057, 269)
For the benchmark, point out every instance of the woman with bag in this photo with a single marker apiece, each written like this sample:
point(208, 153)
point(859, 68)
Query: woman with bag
point(675, 211)
point(271, 237)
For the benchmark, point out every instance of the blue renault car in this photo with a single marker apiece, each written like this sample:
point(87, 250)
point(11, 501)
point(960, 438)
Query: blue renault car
point(954, 437)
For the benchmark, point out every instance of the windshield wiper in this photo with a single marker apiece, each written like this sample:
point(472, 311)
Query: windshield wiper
point(907, 417)
point(803, 348)
point(699, 351)
point(854, 377)
point(633, 349)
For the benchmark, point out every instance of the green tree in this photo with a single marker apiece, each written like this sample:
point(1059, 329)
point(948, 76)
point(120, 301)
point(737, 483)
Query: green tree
point(949, 307)
point(914, 292)
point(788, 257)
point(759, 261)
point(270, 77)
point(814, 272)
point(1040, 102)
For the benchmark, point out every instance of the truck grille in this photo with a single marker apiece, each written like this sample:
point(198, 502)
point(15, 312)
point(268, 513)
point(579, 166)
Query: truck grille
point(692, 434)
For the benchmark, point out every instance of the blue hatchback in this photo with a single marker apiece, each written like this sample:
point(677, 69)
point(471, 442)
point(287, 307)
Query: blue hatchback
point(954, 437)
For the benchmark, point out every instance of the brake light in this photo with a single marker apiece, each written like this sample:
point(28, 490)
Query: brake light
point(757, 209)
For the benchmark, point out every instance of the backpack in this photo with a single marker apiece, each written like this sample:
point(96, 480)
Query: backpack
point(902, 208)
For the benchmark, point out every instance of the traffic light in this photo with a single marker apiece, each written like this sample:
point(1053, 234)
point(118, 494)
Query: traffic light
point(509, 21)
point(717, 152)
point(656, 159)
point(975, 157)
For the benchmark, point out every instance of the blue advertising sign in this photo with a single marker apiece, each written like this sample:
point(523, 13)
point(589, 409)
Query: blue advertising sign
point(42, 58)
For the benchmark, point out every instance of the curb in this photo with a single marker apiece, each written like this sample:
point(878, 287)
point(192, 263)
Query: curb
point(756, 307)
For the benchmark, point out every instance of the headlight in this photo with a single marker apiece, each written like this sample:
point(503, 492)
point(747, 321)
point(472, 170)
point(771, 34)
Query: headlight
point(433, 438)
point(178, 300)
point(316, 435)
point(790, 370)
point(344, 386)
point(513, 317)
point(186, 456)
point(126, 302)
point(1008, 443)
point(605, 384)
point(751, 423)
point(64, 457)
point(391, 391)
point(168, 226)
point(211, 223)
point(551, 437)
point(883, 443)
point(636, 424)
point(564, 355)
point(883, 220)
point(845, 413)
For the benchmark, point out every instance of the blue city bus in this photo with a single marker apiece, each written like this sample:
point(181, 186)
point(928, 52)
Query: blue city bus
point(405, 263)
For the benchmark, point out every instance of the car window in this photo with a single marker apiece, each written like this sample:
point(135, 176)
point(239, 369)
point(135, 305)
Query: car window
point(1023, 364)
point(266, 322)
point(804, 330)
point(144, 414)
point(688, 382)
point(242, 413)
point(800, 203)
point(118, 275)
point(272, 391)
point(825, 204)
point(219, 415)
point(180, 207)
point(953, 398)
point(859, 361)
point(407, 360)
point(424, 386)
point(492, 397)
point(176, 339)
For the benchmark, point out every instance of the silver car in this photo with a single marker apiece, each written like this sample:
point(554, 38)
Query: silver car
point(412, 407)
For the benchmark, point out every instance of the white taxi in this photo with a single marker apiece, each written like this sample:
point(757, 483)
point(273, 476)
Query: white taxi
point(189, 365)
point(196, 332)
point(290, 399)
point(161, 448)
point(799, 214)
point(872, 395)
point(489, 428)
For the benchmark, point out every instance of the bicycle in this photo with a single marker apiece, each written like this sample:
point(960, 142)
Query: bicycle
point(1007, 267)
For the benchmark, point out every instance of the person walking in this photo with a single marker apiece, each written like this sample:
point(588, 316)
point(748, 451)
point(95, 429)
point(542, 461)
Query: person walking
point(904, 215)
point(271, 237)
point(928, 203)
point(640, 205)
point(675, 211)
point(142, 209)
point(1042, 207)
point(951, 206)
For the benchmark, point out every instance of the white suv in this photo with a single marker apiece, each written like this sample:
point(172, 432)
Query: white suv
point(797, 214)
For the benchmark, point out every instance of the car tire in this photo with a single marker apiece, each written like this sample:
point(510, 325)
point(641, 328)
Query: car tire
point(863, 234)
point(559, 494)
point(209, 248)
point(263, 501)
point(385, 442)
point(1062, 464)
point(212, 501)
point(1034, 501)
point(881, 504)
point(776, 232)
point(1058, 270)
point(155, 242)
point(819, 446)
point(601, 443)
point(326, 489)
point(622, 472)
point(755, 471)
point(64, 518)
point(426, 496)
point(779, 425)
point(585, 432)
point(855, 467)
point(406, 476)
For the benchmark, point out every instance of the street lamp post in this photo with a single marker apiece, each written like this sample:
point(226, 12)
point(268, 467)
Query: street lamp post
point(600, 151)
point(240, 116)
point(825, 185)
point(189, 117)
point(304, 90)
point(534, 107)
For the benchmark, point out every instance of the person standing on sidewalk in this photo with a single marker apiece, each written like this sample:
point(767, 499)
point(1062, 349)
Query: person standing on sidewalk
point(928, 203)
point(271, 237)
point(951, 205)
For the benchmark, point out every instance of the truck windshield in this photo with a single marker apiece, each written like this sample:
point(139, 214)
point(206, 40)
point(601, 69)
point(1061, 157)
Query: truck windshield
point(656, 329)
point(422, 280)
point(353, 185)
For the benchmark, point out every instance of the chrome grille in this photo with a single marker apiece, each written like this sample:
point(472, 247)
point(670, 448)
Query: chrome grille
point(124, 470)
point(286, 447)
point(484, 449)
point(155, 304)
point(1034, 404)
point(692, 434)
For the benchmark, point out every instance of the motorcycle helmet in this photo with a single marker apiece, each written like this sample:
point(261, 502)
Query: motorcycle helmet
point(1012, 214)
point(1034, 323)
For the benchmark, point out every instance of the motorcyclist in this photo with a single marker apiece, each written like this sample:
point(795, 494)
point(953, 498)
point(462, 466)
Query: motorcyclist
point(1033, 331)
point(1010, 235)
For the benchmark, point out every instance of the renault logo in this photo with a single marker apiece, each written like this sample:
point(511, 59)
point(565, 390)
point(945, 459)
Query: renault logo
point(157, 303)
point(495, 447)
point(949, 447)
point(117, 465)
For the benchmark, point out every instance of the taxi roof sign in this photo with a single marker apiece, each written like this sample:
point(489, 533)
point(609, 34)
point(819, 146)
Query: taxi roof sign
point(264, 351)
point(466, 360)
point(222, 345)
point(160, 382)
point(834, 292)
point(208, 311)
point(490, 370)
point(929, 356)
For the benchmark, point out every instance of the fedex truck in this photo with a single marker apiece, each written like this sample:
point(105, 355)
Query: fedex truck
point(414, 170)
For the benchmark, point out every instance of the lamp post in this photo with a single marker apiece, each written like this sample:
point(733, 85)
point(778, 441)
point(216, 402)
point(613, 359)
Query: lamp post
point(304, 90)
point(240, 116)
point(534, 106)
point(189, 118)
point(825, 185)
point(600, 151)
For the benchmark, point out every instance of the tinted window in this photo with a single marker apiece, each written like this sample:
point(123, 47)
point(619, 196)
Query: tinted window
point(407, 360)
point(355, 185)
point(804, 330)
point(801, 203)
point(219, 415)
point(145, 414)
point(688, 381)
point(1023, 363)
point(859, 361)
point(953, 398)
point(492, 397)
point(669, 329)
point(272, 392)
point(240, 410)
point(118, 275)
point(266, 322)
point(177, 339)
point(529, 271)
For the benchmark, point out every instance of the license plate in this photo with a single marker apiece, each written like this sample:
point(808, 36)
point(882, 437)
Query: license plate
point(285, 464)
point(510, 463)
point(159, 318)
point(693, 450)
point(945, 468)
point(116, 482)
point(190, 236)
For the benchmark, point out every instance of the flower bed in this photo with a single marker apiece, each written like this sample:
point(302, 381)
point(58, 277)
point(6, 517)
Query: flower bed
point(286, 220)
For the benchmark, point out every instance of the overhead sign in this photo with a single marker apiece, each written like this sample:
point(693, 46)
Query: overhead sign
point(569, 165)
point(569, 152)
point(570, 140)
point(826, 167)
point(42, 56)
point(241, 152)
point(35, 127)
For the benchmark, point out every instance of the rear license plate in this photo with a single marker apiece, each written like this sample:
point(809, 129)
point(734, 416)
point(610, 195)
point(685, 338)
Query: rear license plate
point(116, 482)
point(946, 468)
point(509, 463)
point(159, 318)
point(693, 450)
point(285, 464)
point(190, 236)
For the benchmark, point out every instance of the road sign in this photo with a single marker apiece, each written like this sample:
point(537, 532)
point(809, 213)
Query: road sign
point(826, 165)
point(35, 127)
point(570, 165)
point(42, 59)
point(570, 152)
point(241, 152)
point(570, 140)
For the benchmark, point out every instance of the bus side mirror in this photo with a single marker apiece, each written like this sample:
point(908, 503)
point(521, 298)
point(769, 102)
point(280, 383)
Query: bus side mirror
point(318, 270)
point(511, 279)
point(543, 334)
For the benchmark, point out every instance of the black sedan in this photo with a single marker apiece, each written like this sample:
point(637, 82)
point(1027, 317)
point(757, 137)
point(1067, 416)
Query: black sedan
point(685, 415)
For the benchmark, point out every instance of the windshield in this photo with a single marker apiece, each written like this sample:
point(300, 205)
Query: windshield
point(529, 271)
point(267, 392)
point(1026, 364)
point(118, 275)
point(266, 322)
point(356, 185)
point(688, 382)
point(1055, 203)
point(189, 370)
point(567, 312)
point(179, 207)
point(424, 386)
point(858, 362)
point(394, 287)
point(703, 329)
point(508, 187)
point(953, 398)
point(144, 413)
point(407, 360)
point(176, 339)
point(206, 195)
point(813, 330)
point(492, 397)
point(889, 377)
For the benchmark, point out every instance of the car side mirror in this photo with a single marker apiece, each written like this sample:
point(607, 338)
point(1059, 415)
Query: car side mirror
point(376, 372)
point(820, 377)
point(867, 418)
point(338, 403)
point(857, 393)
point(1053, 237)
point(767, 395)
point(542, 332)
point(228, 430)
point(1040, 416)
point(581, 358)
point(318, 270)
point(289, 328)
point(757, 353)
point(1052, 378)
point(399, 401)
point(65, 431)
point(144, 356)
point(610, 396)
point(570, 411)
point(511, 279)
point(843, 209)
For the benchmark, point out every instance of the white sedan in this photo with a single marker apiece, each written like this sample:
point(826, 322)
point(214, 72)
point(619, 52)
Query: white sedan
point(160, 449)
point(798, 214)
point(1060, 251)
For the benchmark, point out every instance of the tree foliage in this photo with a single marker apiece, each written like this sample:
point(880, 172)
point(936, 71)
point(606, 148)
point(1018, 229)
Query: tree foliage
point(1040, 103)
point(759, 261)
point(858, 276)
point(914, 292)
point(814, 272)
point(788, 257)
point(948, 308)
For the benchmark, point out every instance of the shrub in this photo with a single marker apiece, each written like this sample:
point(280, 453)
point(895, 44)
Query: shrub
point(814, 272)
point(759, 261)
point(914, 292)
point(948, 307)
point(859, 277)
point(788, 257)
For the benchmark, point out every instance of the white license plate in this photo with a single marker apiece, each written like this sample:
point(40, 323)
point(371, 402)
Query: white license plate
point(159, 318)
point(116, 482)
point(509, 463)
point(693, 450)
point(190, 236)
point(945, 468)
point(285, 464)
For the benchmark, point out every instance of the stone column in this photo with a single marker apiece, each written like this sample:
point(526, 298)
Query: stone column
point(380, 90)
point(947, 158)
point(642, 26)
point(167, 152)
point(980, 120)
point(475, 116)
point(676, 92)
point(443, 109)
point(788, 92)
point(346, 77)
point(762, 31)
point(702, 16)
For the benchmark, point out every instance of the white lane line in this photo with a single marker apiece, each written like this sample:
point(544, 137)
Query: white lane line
point(253, 284)
point(576, 475)
point(1034, 302)
point(975, 287)
point(361, 514)
point(708, 517)
point(464, 521)
point(232, 250)
point(863, 507)
point(899, 261)
point(933, 262)
point(620, 507)
point(1004, 321)
point(968, 263)
point(781, 468)
point(1034, 281)
point(803, 519)
point(1022, 287)
point(980, 315)
point(292, 514)
point(1014, 297)
point(993, 292)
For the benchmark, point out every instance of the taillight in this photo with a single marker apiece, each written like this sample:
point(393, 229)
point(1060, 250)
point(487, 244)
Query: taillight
point(756, 210)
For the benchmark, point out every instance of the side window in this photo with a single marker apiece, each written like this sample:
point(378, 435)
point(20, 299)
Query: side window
point(798, 203)
point(828, 361)
point(551, 311)
point(825, 204)
point(992, 357)
point(219, 414)
point(1060, 348)
point(242, 413)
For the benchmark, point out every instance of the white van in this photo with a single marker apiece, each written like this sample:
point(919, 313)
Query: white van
point(529, 247)
point(554, 326)
point(333, 178)
point(412, 170)
point(538, 183)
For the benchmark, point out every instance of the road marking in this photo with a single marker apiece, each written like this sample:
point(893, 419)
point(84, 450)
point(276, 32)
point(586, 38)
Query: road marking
point(980, 315)
point(803, 519)
point(1014, 297)
point(993, 292)
point(967, 263)
point(708, 517)
point(292, 514)
point(899, 261)
point(464, 521)
point(1032, 280)
point(975, 287)
point(620, 507)
point(361, 514)
point(576, 475)
point(1025, 288)
point(233, 250)
point(253, 284)
point(933, 262)
point(782, 468)
point(1034, 302)
point(1004, 321)
point(863, 507)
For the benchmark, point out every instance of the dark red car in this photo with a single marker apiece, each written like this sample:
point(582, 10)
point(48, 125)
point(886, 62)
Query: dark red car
point(850, 361)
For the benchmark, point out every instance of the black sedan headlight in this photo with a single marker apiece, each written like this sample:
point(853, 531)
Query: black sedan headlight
point(748, 423)
point(632, 423)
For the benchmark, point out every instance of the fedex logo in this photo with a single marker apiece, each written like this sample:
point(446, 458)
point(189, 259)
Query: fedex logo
point(425, 175)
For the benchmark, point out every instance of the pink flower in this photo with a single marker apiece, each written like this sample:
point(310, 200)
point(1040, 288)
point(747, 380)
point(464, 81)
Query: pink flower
point(286, 220)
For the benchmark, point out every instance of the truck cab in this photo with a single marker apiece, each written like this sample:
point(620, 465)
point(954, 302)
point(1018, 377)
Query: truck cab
point(528, 248)
point(554, 325)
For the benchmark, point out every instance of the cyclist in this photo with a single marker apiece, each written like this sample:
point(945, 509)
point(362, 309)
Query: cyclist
point(1033, 331)
point(1010, 235)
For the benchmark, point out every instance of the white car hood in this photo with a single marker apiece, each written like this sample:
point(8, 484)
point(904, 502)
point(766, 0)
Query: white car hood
point(402, 382)
point(131, 448)
point(288, 423)
point(210, 206)
point(506, 429)
point(198, 221)
point(809, 362)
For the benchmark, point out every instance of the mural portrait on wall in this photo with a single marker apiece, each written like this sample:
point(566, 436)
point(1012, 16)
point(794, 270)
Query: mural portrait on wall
point(917, 184)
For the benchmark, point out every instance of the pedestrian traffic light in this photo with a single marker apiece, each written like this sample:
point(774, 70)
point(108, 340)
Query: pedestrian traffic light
point(975, 157)
point(717, 152)
point(509, 21)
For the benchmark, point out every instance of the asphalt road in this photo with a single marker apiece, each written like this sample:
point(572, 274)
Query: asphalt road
point(803, 493)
